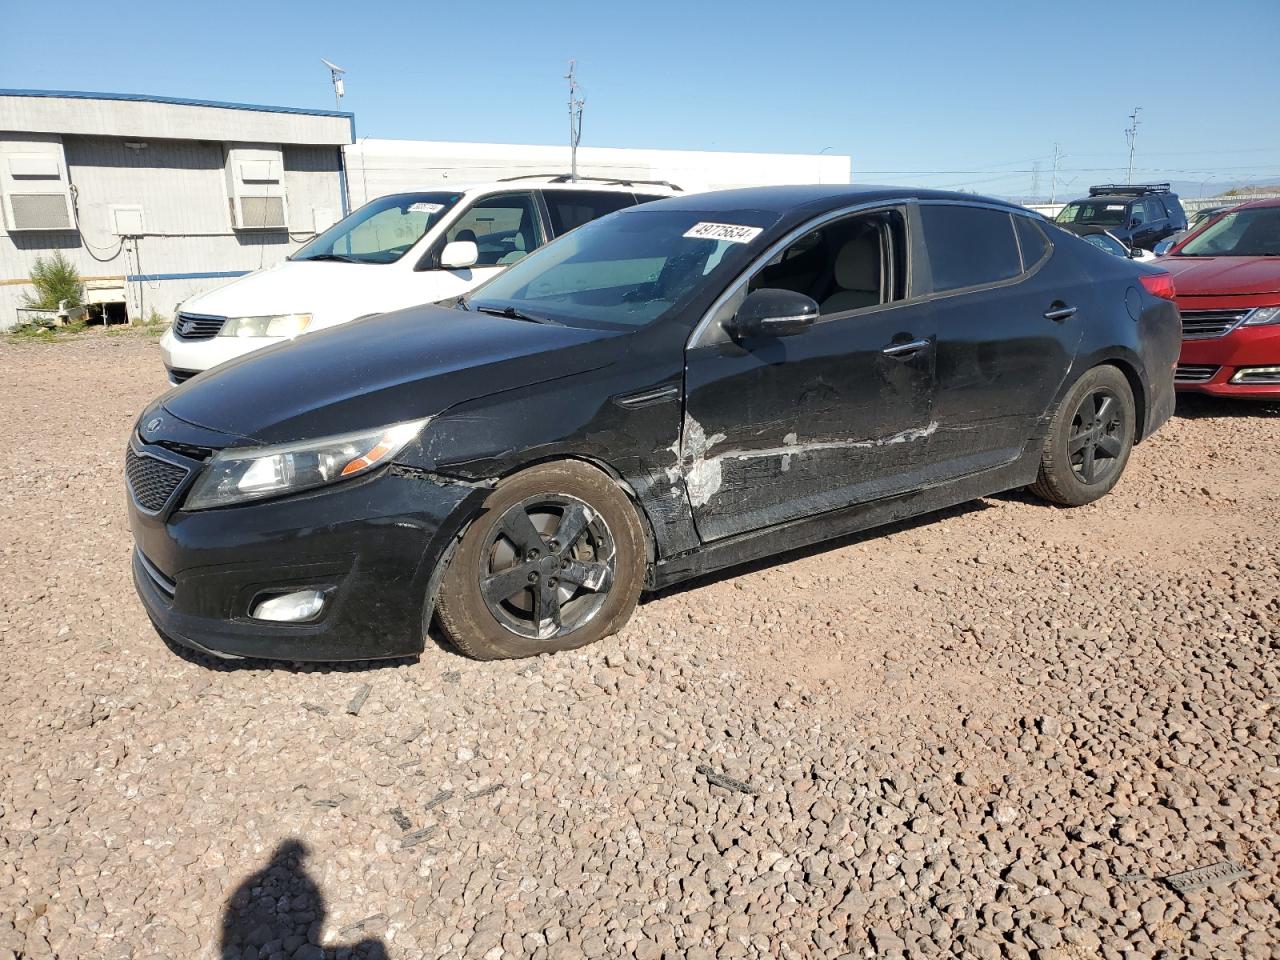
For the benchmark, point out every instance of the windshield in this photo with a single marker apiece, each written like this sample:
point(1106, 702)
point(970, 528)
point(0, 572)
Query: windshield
point(627, 269)
point(382, 231)
point(1108, 243)
point(1101, 213)
point(1245, 233)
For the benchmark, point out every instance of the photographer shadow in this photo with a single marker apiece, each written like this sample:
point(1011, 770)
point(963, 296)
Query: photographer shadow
point(279, 912)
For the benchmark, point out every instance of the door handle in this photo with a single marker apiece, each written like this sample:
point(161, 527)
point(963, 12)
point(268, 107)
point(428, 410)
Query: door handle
point(906, 349)
point(1059, 314)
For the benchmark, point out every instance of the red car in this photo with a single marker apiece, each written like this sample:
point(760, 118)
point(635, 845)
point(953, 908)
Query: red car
point(1227, 275)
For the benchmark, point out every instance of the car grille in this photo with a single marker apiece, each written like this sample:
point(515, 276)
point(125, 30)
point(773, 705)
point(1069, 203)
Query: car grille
point(1207, 324)
point(197, 326)
point(151, 481)
point(1194, 373)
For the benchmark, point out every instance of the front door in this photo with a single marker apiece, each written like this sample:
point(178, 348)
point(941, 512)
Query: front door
point(779, 428)
point(505, 227)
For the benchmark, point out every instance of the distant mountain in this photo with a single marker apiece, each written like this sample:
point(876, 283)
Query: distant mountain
point(1214, 188)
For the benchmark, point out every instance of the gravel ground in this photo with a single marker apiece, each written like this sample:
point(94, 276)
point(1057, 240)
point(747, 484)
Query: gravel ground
point(993, 732)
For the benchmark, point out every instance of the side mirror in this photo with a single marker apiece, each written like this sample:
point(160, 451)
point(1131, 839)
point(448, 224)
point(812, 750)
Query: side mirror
point(774, 313)
point(459, 254)
point(1163, 247)
point(1135, 253)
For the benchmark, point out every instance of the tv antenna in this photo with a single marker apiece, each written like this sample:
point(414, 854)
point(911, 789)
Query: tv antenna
point(335, 77)
point(575, 119)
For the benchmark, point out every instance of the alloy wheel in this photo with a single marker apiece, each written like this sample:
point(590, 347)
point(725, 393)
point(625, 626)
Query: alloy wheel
point(547, 566)
point(1097, 436)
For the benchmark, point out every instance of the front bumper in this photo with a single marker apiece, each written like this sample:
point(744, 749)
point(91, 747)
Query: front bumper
point(183, 359)
point(372, 545)
point(1243, 347)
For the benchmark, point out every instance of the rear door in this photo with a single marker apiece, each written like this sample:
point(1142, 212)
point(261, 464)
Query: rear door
point(567, 209)
point(1008, 315)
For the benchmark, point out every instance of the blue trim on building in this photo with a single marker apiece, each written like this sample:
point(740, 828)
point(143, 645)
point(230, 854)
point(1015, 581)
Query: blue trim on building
point(180, 101)
point(150, 277)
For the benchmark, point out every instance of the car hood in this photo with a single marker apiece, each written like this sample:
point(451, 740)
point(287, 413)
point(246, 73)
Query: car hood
point(397, 366)
point(1223, 276)
point(293, 286)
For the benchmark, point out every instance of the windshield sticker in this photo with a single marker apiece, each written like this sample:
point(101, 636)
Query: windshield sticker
point(1115, 206)
point(732, 232)
point(424, 207)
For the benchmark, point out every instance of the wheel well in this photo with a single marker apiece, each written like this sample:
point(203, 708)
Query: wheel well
point(1139, 395)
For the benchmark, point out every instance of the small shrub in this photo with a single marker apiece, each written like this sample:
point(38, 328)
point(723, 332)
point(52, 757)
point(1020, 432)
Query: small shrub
point(55, 279)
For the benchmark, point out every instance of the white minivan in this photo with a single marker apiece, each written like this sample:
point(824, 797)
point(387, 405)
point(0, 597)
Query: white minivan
point(396, 251)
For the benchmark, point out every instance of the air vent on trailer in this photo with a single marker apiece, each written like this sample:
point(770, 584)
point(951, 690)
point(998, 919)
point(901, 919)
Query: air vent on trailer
point(36, 190)
point(255, 188)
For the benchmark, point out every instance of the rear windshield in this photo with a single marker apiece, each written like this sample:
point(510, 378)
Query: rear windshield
point(1101, 213)
point(1245, 233)
point(382, 231)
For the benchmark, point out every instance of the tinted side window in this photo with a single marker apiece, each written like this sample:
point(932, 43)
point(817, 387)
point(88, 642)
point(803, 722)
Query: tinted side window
point(1031, 240)
point(969, 246)
point(573, 208)
point(1159, 208)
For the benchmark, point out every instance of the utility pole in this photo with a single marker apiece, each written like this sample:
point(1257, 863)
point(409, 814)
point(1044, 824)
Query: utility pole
point(1131, 135)
point(1053, 182)
point(575, 120)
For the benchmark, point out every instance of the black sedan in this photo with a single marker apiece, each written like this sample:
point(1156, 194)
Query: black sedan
point(669, 390)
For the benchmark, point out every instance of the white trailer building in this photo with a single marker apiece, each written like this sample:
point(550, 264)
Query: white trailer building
point(154, 198)
point(378, 167)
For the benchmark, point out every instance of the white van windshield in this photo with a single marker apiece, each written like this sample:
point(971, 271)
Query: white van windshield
point(382, 231)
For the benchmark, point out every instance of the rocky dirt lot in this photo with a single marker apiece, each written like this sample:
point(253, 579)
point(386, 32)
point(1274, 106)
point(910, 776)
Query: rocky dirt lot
point(994, 732)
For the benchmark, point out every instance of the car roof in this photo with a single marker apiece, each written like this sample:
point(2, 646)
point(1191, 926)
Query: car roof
point(812, 198)
point(595, 186)
point(1258, 204)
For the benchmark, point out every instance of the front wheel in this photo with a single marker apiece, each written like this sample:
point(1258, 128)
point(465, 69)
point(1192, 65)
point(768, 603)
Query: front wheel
point(1089, 440)
point(555, 561)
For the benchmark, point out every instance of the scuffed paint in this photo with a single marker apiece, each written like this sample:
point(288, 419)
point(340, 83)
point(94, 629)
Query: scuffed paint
point(703, 474)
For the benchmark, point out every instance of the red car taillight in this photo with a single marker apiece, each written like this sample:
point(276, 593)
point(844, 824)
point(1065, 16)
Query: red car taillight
point(1159, 285)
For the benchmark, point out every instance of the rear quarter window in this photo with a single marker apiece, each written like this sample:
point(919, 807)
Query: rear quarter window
point(1031, 241)
point(969, 246)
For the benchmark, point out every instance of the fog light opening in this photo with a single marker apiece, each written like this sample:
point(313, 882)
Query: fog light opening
point(294, 607)
point(1257, 375)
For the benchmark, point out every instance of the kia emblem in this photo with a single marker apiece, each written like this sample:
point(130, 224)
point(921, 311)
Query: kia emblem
point(154, 424)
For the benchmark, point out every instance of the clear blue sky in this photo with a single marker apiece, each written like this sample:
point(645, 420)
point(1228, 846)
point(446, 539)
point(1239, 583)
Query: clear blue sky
point(935, 93)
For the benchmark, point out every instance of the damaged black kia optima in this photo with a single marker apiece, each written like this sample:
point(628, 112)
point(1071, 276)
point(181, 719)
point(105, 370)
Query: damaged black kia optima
point(669, 390)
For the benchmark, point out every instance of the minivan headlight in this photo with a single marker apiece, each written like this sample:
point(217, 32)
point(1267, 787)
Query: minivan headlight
point(273, 325)
point(238, 474)
point(1262, 316)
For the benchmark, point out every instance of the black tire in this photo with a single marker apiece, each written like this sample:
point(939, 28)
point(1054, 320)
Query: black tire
point(1088, 443)
point(562, 595)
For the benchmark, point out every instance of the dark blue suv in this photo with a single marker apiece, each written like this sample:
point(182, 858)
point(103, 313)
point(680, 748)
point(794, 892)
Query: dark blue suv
point(1140, 214)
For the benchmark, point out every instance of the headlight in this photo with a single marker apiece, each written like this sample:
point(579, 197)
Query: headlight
point(251, 473)
point(1261, 316)
point(275, 325)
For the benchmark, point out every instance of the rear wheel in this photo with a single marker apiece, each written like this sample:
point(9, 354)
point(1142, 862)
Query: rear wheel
point(1089, 440)
point(555, 562)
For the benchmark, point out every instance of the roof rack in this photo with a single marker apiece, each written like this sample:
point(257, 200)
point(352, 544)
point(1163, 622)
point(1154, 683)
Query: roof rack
point(609, 181)
point(1127, 189)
